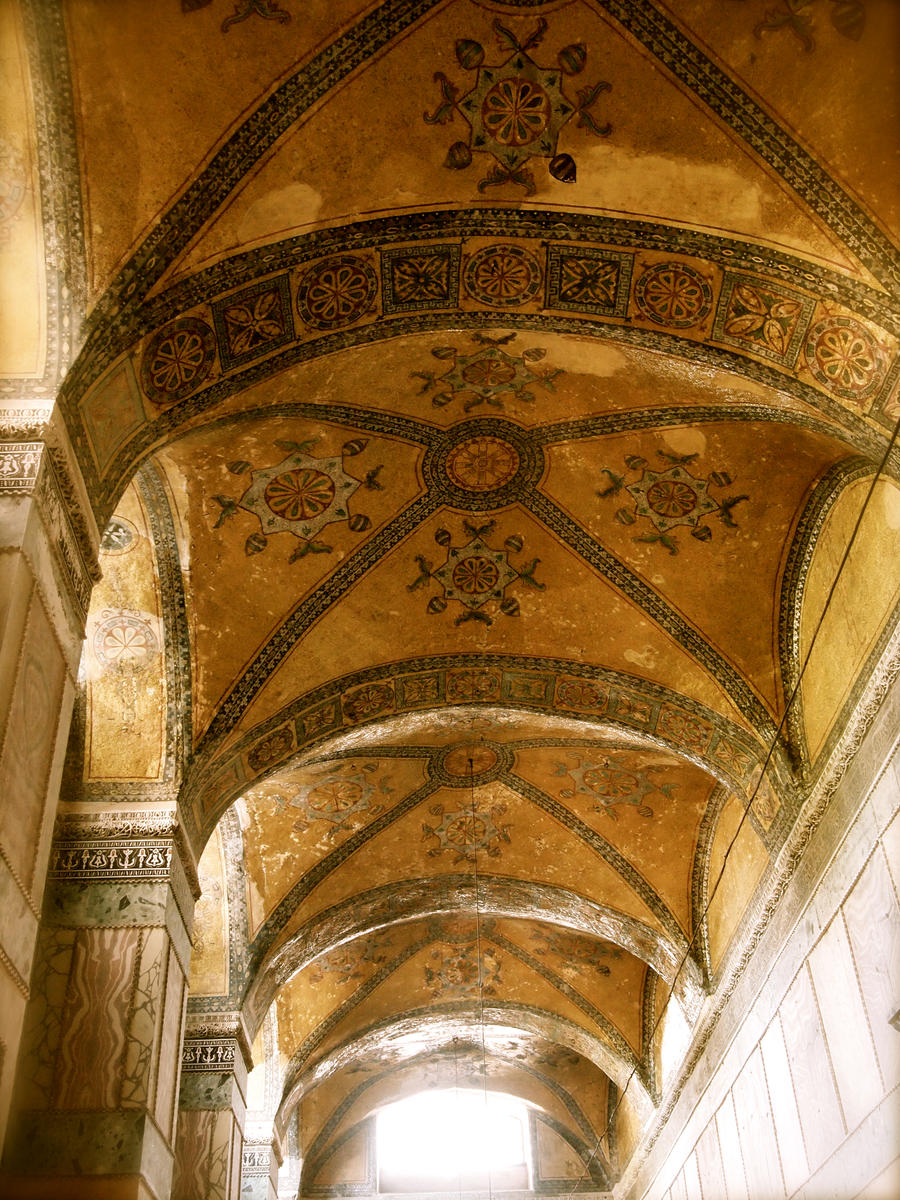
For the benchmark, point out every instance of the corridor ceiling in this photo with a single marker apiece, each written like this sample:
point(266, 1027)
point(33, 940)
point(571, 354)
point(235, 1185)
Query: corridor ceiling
point(478, 398)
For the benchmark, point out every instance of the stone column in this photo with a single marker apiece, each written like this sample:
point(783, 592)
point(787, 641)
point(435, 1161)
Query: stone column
point(260, 1164)
point(95, 1105)
point(47, 568)
point(215, 1061)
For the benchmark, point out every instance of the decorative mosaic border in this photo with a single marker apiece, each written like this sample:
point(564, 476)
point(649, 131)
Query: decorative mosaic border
point(60, 196)
point(756, 326)
point(173, 602)
point(571, 688)
point(353, 48)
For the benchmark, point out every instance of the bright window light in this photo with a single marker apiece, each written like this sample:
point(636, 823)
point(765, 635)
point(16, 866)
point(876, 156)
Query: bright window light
point(453, 1138)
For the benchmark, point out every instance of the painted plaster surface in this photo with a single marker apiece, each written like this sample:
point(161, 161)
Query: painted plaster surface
point(475, 405)
point(22, 328)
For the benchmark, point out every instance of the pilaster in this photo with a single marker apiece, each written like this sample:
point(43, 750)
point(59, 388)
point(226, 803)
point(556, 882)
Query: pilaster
point(215, 1062)
point(48, 567)
point(95, 1105)
point(260, 1164)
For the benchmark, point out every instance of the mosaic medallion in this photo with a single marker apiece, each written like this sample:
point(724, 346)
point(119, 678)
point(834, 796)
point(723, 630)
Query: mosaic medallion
point(845, 358)
point(756, 317)
point(673, 295)
point(670, 497)
point(470, 764)
point(124, 641)
point(574, 950)
point(516, 109)
point(336, 292)
point(423, 277)
point(476, 575)
point(488, 376)
point(178, 360)
point(300, 494)
point(458, 972)
point(612, 781)
point(119, 536)
point(482, 464)
point(340, 799)
point(502, 276)
point(253, 322)
point(466, 832)
point(347, 961)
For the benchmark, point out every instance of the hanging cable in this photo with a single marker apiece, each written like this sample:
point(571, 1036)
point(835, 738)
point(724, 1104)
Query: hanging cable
point(795, 690)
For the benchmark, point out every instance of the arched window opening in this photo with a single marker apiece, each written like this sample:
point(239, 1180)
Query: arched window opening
point(453, 1140)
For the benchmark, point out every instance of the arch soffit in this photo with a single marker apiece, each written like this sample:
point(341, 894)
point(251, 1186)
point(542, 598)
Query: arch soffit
point(493, 897)
point(389, 1041)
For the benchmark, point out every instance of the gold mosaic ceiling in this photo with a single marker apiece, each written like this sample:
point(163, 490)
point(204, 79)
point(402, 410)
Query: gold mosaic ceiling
point(503, 382)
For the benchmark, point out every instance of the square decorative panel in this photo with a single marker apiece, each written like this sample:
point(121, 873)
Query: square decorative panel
point(582, 279)
point(754, 316)
point(253, 322)
point(421, 277)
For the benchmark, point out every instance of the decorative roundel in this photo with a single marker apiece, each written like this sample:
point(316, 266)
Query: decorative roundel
point(515, 112)
point(502, 276)
point(470, 764)
point(300, 494)
point(674, 295)
point(336, 292)
point(845, 358)
point(118, 537)
point(124, 641)
point(482, 464)
point(178, 360)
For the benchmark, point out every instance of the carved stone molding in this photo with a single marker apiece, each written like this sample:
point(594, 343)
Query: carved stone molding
point(256, 1159)
point(19, 467)
point(117, 845)
point(211, 1041)
point(80, 827)
point(23, 424)
point(111, 860)
point(34, 468)
point(200, 1054)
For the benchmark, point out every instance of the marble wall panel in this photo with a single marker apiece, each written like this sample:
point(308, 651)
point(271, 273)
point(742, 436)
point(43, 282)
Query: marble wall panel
point(794, 1165)
point(850, 1044)
point(872, 915)
point(168, 1050)
point(806, 1086)
point(756, 1129)
point(29, 739)
point(204, 1167)
point(817, 1099)
point(732, 1158)
point(93, 1052)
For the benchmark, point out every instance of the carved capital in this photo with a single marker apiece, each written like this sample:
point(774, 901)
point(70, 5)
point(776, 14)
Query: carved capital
point(212, 1040)
point(20, 464)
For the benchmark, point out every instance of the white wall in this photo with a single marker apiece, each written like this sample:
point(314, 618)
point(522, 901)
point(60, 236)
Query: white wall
point(798, 1096)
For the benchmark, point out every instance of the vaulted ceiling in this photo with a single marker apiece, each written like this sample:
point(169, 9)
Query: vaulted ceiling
point(481, 397)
